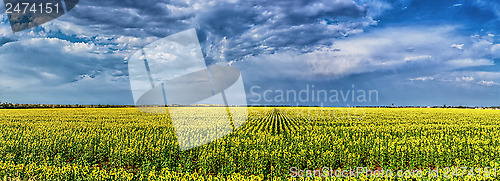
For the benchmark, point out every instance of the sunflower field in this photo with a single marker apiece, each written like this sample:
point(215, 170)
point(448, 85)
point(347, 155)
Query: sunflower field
point(274, 143)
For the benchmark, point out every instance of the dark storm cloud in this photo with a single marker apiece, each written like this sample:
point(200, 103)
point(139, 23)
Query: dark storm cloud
point(229, 30)
point(253, 28)
point(89, 44)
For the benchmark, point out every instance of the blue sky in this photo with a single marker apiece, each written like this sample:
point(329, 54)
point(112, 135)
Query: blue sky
point(412, 52)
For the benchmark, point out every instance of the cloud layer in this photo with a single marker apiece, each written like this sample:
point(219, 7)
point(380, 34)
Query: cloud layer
point(82, 56)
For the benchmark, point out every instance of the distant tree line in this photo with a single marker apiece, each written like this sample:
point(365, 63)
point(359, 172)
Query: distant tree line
point(7, 105)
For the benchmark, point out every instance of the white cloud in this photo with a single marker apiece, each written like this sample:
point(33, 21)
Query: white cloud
point(376, 7)
point(496, 50)
point(466, 78)
point(422, 78)
point(462, 63)
point(488, 83)
point(79, 47)
point(420, 57)
point(412, 52)
point(458, 46)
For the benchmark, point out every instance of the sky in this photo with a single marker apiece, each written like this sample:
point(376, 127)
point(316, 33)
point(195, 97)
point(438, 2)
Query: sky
point(405, 52)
